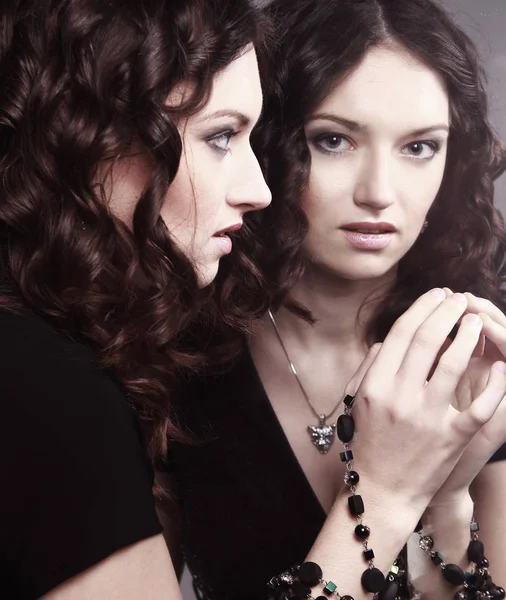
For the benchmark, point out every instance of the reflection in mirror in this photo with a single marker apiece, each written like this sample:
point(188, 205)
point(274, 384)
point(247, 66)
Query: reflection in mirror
point(377, 146)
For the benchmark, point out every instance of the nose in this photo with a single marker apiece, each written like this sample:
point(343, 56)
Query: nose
point(375, 185)
point(248, 188)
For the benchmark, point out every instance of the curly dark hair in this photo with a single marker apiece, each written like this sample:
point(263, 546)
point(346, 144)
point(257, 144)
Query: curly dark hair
point(318, 43)
point(81, 81)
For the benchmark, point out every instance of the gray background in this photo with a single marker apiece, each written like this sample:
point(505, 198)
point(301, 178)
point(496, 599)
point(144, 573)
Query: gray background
point(485, 22)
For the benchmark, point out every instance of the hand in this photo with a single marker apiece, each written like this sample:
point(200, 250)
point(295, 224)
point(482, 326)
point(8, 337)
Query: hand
point(409, 437)
point(493, 434)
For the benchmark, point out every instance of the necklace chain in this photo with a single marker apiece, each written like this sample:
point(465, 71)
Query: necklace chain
point(322, 417)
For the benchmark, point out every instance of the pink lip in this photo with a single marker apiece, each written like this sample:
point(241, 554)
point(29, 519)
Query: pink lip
point(368, 241)
point(224, 244)
point(368, 235)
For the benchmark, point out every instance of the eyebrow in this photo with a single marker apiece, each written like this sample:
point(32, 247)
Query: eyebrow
point(243, 119)
point(355, 126)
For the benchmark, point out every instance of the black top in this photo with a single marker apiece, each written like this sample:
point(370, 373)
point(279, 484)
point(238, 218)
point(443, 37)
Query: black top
point(74, 478)
point(248, 509)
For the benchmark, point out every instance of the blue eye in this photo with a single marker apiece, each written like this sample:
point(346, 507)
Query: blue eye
point(421, 150)
point(332, 143)
point(220, 141)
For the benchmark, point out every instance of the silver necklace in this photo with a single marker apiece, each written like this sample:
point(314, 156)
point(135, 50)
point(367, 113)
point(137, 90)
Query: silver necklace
point(322, 435)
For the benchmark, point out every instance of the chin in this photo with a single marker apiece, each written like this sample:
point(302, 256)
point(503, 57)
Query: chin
point(359, 270)
point(207, 274)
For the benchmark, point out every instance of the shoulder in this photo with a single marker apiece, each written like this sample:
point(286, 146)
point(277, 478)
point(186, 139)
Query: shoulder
point(71, 449)
point(48, 378)
point(52, 392)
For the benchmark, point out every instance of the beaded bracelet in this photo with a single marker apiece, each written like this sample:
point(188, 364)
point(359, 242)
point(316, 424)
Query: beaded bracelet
point(298, 581)
point(372, 578)
point(477, 583)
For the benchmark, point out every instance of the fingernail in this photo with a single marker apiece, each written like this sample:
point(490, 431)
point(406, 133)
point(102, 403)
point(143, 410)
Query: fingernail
point(500, 366)
point(473, 320)
point(439, 293)
point(458, 297)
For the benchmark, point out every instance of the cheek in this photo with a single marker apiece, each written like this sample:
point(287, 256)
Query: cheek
point(179, 205)
point(192, 205)
point(328, 188)
point(421, 190)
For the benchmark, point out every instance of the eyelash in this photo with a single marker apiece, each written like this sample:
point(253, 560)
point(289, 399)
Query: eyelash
point(319, 138)
point(213, 139)
point(434, 145)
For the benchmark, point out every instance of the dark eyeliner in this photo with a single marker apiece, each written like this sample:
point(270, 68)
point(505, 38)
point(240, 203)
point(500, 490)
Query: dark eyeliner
point(230, 133)
point(317, 138)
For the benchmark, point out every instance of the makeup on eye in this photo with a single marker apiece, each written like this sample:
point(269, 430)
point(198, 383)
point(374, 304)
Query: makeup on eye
point(338, 144)
point(331, 143)
point(220, 140)
point(423, 149)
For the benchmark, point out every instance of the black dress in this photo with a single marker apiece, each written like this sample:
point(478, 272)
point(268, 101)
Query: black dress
point(248, 510)
point(74, 477)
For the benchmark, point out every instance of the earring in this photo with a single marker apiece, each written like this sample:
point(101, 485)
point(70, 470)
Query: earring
point(424, 226)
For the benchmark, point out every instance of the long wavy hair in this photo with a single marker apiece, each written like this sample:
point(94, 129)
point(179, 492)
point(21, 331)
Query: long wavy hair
point(318, 44)
point(81, 81)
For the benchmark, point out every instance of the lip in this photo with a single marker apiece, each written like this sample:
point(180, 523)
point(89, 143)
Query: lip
point(224, 242)
point(368, 241)
point(370, 227)
point(228, 229)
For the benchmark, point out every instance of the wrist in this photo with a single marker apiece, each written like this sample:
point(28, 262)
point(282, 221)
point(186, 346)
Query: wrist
point(447, 522)
point(386, 514)
point(456, 505)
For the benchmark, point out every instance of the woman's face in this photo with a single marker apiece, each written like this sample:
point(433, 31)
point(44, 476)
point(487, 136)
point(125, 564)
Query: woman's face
point(219, 178)
point(378, 146)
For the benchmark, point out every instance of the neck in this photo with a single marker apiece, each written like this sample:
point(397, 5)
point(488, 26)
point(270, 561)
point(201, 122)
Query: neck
point(341, 308)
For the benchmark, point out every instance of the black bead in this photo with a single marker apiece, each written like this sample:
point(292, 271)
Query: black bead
point(368, 554)
point(453, 574)
point(362, 532)
point(476, 580)
point(356, 505)
point(345, 428)
point(372, 580)
point(310, 573)
point(436, 558)
point(484, 563)
point(389, 592)
point(321, 598)
point(475, 551)
point(300, 590)
point(499, 593)
point(346, 455)
point(348, 401)
point(347, 598)
point(351, 478)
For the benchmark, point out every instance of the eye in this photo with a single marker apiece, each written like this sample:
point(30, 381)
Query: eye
point(220, 141)
point(332, 143)
point(421, 150)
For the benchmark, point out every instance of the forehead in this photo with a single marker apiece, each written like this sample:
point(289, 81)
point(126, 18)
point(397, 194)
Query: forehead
point(393, 88)
point(237, 87)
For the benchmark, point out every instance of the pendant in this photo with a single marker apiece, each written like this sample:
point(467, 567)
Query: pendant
point(322, 435)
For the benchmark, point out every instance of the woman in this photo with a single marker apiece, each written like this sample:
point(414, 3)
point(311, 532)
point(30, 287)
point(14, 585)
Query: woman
point(125, 161)
point(381, 162)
